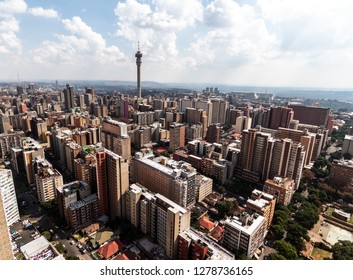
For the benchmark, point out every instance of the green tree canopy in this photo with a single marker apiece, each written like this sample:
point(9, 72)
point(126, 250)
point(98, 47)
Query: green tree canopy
point(276, 256)
point(343, 250)
point(286, 249)
point(307, 215)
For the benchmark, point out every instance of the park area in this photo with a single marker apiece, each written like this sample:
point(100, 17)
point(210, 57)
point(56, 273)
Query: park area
point(320, 254)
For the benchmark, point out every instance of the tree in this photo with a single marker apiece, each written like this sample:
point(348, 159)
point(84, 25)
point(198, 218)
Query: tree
point(297, 197)
point(60, 247)
point(278, 231)
point(307, 215)
point(286, 249)
point(47, 235)
point(296, 234)
point(72, 258)
point(276, 256)
point(226, 208)
point(343, 250)
point(308, 176)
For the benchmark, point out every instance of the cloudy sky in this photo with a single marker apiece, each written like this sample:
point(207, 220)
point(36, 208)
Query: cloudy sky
point(254, 42)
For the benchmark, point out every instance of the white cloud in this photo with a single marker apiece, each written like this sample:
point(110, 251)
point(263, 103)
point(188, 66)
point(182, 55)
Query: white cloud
point(41, 12)
point(156, 25)
point(10, 7)
point(310, 25)
point(238, 36)
point(9, 26)
point(82, 46)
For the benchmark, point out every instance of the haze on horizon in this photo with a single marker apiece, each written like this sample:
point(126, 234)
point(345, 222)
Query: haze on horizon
point(278, 43)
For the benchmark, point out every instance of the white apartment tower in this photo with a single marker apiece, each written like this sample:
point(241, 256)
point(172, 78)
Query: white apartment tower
point(8, 194)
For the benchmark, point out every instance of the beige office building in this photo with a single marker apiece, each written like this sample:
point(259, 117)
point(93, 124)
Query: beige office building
point(158, 217)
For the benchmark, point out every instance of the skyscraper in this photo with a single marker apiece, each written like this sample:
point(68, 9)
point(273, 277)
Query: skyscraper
point(112, 183)
point(158, 217)
point(177, 135)
point(69, 97)
point(5, 248)
point(138, 56)
point(8, 194)
point(176, 180)
point(114, 137)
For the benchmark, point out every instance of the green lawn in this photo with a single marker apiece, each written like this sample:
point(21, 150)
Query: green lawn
point(320, 254)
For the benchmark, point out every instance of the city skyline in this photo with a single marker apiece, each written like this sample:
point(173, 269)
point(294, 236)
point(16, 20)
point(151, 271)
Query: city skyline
point(281, 43)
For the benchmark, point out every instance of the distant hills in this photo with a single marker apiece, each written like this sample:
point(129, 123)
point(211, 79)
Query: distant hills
point(343, 95)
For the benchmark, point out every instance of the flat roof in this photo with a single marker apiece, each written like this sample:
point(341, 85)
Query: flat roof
point(171, 204)
point(249, 229)
point(218, 252)
point(34, 247)
point(157, 165)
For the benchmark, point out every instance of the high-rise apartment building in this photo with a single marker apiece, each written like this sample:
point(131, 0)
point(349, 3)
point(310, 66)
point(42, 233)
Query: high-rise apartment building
point(114, 137)
point(6, 252)
point(213, 134)
point(311, 115)
point(72, 151)
point(205, 105)
point(219, 110)
point(47, 180)
point(158, 217)
point(76, 204)
point(31, 150)
point(347, 145)
point(204, 186)
point(112, 183)
point(341, 173)
point(11, 140)
point(85, 170)
point(176, 180)
point(193, 132)
point(177, 135)
point(38, 128)
point(241, 123)
point(280, 117)
point(263, 157)
point(245, 233)
point(69, 97)
point(8, 195)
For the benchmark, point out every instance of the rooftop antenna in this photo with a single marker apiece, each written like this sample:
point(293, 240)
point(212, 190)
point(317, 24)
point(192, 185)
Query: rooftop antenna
point(18, 79)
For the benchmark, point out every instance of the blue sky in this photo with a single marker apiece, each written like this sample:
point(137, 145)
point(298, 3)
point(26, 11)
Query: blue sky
point(254, 43)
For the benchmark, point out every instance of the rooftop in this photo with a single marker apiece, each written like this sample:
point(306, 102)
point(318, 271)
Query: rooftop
point(217, 252)
point(248, 228)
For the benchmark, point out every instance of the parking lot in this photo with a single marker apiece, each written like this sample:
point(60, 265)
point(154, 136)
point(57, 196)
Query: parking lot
point(40, 221)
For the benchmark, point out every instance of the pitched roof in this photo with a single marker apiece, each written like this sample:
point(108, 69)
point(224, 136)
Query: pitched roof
point(110, 249)
point(121, 257)
point(206, 223)
point(217, 232)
